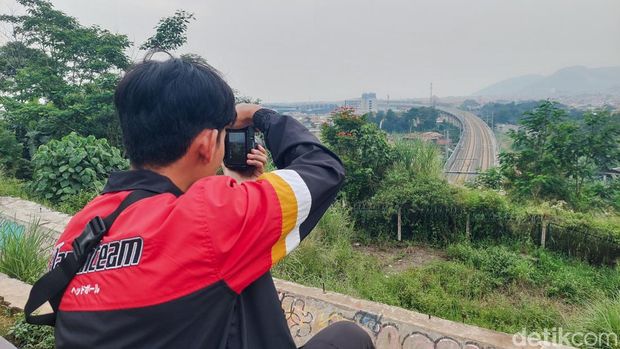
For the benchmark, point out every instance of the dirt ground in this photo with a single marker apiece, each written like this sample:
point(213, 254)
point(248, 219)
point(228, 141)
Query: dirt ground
point(397, 259)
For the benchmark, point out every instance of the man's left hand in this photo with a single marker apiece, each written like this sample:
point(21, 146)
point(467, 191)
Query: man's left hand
point(256, 158)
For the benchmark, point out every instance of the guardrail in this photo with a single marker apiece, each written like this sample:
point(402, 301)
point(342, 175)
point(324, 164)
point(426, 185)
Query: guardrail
point(459, 145)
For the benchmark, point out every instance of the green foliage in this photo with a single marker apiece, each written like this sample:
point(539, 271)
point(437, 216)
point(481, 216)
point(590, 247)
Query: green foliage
point(363, 149)
point(511, 113)
point(415, 119)
point(11, 161)
point(66, 167)
point(417, 158)
point(58, 76)
point(504, 288)
point(10, 186)
point(327, 257)
point(427, 206)
point(470, 105)
point(489, 179)
point(27, 336)
point(504, 266)
point(534, 169)
point(170, 32)
point(74, 203)
point(23, 253)
point(556, 158)
point(601, 316)
point(558, 277)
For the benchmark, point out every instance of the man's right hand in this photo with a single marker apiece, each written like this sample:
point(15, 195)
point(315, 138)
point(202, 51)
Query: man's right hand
point(245, 113)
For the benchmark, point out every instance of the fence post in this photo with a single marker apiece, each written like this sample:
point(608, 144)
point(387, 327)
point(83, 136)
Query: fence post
point(399, 226)
point(543, 232)
point(467, 227)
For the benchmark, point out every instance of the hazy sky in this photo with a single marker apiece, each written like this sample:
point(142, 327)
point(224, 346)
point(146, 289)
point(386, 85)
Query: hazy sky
point(299, 50)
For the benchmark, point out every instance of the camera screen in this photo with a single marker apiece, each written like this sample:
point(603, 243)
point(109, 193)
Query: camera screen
point(236, 141)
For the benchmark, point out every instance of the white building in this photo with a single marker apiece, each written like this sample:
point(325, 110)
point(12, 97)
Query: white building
point(368, 103)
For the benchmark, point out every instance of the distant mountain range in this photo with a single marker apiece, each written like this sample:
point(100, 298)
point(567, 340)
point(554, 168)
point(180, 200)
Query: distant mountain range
point(571, 81)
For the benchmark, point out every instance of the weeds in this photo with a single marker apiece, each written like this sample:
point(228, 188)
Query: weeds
point(601, 316)
point(22, 253)
point(27, 336)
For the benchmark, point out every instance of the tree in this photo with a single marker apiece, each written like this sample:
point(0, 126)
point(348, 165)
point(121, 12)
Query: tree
point(602, 138)
point(11, 162)
point(534, 170)
point(59, 76)
point(170, 32)
point(470, 104)
point(555, 157)
point(363, 149)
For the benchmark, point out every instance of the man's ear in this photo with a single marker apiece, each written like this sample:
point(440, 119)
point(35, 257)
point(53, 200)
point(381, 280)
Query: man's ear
point(207, 144)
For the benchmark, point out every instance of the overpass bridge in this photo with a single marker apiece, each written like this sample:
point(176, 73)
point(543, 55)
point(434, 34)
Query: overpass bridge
point(476, 150)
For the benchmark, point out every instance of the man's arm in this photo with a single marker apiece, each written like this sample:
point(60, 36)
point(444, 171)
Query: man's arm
point(313, 173)
point(255, 224)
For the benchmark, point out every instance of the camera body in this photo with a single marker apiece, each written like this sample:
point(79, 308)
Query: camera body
point(238, 144)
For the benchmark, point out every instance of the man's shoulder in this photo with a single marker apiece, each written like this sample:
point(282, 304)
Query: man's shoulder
point(212, 186)
point(101, 205)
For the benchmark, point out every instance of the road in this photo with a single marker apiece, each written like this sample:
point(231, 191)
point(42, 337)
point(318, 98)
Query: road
point(475, 152)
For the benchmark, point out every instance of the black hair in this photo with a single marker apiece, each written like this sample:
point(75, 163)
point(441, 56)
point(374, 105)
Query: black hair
point(164, 105)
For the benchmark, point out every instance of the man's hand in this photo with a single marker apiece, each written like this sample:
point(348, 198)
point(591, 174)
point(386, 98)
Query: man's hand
point(256, 158)
point(245, 112)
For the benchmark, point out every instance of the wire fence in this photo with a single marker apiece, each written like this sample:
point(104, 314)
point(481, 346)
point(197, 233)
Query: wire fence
point(449, 224)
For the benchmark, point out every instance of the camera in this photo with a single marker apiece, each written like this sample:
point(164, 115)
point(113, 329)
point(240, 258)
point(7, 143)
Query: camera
point(238, 144)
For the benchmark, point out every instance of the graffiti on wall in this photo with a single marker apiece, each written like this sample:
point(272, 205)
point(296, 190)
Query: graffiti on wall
point(304, 322)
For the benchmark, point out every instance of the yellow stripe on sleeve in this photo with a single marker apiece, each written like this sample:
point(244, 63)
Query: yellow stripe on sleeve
point(288, 206)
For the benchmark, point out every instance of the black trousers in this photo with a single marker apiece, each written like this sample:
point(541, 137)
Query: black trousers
point(340, 335)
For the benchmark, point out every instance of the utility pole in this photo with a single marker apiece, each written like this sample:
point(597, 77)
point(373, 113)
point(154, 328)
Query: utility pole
point(431, 97)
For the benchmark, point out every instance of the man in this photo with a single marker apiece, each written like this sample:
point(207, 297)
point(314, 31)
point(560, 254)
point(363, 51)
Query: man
point(187, 266)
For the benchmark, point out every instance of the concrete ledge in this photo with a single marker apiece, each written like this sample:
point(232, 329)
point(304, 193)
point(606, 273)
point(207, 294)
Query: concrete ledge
point(27, 212)
point(307, 309)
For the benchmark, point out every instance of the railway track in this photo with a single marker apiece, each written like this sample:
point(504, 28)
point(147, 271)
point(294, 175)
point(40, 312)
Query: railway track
point(475, 152)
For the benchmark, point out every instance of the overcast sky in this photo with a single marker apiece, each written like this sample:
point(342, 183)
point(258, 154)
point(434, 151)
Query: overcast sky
point(300, 50)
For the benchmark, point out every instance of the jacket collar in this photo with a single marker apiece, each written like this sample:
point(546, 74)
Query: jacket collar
point(140, 179)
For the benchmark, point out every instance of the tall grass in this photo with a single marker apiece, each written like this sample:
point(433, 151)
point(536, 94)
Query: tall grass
point(23, 252)
point(418, 157)
point(12, 187)
point(602, 316)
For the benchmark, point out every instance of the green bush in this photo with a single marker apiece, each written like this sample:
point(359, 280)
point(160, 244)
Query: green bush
point(63, 168)
point(22, 253)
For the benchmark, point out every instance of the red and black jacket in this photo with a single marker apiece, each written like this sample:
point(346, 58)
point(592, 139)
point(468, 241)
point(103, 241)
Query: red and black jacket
point(191, 270)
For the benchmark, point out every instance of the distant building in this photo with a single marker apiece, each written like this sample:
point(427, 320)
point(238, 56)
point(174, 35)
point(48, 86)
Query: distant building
point(368, 103)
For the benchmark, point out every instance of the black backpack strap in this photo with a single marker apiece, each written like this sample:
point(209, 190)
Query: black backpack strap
point(51, 286)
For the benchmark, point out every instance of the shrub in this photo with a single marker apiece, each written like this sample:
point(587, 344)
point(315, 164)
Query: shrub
point(22, 253)
point(429, 210)
point(66, 167)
